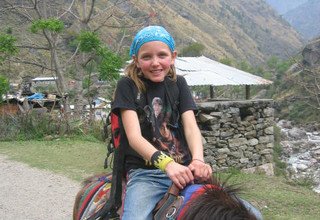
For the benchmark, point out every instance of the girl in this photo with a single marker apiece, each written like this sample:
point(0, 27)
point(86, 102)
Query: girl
point(150, 168)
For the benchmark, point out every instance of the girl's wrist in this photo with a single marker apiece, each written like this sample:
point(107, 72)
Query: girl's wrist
point(160, 160)
point(195, 159)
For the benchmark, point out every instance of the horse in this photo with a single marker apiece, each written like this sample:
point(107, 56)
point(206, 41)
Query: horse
point(213, 200)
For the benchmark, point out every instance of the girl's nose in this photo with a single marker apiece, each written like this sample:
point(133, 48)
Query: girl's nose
point(155, 61)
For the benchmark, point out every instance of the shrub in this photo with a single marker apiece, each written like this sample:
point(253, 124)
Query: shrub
point(34, 125)
point(280, 166)
point(4, 87)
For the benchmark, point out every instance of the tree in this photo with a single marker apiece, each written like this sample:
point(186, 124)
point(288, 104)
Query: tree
point(54, 26)
point(7, 49)
point(4, 87)
point(7, 46)
point(309, 82)
point(193, 50)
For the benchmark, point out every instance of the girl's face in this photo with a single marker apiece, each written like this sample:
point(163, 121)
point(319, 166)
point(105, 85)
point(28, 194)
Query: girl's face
point(155, 59)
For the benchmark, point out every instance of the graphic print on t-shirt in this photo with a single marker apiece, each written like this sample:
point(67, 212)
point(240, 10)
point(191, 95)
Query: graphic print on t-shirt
point(164, 137)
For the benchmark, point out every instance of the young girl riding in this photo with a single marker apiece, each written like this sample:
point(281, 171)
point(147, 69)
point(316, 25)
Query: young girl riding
point(153, 161)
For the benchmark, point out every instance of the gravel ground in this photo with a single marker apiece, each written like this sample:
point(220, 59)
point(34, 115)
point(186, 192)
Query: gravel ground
point(32, 194)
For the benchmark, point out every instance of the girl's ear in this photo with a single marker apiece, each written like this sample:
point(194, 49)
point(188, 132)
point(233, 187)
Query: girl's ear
point(135, 60)
point(174, 56)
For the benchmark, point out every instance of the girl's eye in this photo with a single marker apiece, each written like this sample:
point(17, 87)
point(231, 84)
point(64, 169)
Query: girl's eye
point(163, 55)
point(146, 57)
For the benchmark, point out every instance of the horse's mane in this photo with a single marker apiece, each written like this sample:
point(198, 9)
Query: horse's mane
point(219, 202)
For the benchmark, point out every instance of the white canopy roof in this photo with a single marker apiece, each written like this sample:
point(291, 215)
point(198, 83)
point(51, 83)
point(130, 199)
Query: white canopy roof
point(204, 71)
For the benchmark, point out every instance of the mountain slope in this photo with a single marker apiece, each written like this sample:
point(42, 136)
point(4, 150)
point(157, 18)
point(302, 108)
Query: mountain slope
point(283, 6)
point(298, 89)
point(306, 18)
point(237, 29)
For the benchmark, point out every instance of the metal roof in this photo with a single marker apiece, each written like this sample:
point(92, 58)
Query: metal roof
point(204, 71)
point(44, 79)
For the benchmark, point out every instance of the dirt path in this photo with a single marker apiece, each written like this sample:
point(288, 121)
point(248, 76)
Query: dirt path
point(32, 194)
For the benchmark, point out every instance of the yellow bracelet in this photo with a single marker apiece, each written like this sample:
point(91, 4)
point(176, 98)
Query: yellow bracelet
point(160, 160)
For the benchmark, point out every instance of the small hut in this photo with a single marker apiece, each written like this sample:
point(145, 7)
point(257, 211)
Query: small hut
point(204, 71)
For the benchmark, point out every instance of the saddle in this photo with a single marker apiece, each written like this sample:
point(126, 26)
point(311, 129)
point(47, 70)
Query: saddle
point(94, 195)
point(169, 206)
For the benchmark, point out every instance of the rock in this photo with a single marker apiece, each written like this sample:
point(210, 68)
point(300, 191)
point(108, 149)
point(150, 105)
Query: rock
point(204, 118)
point(237, 142)
point(302, 167)
point(253, 142)
point(224, 151)
point(285, 124)
point(311, 55)
point(269, 130)
point(297, 133)
point(266, 139)
point(268, 112)
point(216, 114)
point(265, 168)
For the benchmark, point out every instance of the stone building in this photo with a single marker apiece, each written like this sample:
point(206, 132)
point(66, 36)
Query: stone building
point(237, 133)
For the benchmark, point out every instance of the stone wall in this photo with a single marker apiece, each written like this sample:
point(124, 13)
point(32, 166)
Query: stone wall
point(237, 133)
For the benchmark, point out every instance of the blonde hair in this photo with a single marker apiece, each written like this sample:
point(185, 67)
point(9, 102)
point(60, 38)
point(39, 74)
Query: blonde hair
point(133, 72)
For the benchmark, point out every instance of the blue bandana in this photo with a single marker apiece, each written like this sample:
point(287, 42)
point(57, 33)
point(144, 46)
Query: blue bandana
point(148, 34)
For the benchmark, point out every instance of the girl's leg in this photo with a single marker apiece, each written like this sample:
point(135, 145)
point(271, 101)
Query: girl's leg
point(144, 189)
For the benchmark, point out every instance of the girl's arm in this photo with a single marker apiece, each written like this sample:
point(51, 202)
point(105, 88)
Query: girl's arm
point(200, 169)
point(136, 140)
point(179, 174)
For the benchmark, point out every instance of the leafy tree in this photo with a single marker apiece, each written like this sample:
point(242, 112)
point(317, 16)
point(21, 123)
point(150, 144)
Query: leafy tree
point(245, 66)
point(102, 60)
point(53, 24)
point(227, 61)
point(193, 50)
point(4, 87)
point(7, 46)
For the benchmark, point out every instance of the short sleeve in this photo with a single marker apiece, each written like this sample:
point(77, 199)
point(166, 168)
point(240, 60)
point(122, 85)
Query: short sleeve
point(124, 97)
point(186, 101)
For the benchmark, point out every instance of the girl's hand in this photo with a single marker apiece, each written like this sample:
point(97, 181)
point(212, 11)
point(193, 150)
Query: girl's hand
point(179, 174)
point(201, 171)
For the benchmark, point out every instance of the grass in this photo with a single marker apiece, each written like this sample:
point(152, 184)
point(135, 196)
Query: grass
point(73, 158)
point(276, 197)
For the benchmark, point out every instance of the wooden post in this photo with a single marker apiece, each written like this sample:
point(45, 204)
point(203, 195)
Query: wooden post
point(211, 92)
point(247, 92)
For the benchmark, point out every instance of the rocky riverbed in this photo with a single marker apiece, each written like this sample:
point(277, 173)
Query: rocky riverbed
point(301, 152)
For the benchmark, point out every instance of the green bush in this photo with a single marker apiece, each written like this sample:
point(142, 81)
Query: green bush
point(277, 151)
point(4, 87)
point(193, 50)
point(37, 126)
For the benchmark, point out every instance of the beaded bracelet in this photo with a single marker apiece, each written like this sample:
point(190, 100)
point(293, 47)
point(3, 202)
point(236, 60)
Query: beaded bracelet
point(198, 160)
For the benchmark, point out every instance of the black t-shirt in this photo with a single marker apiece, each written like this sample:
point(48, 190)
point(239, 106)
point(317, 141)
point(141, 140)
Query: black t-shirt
point(155, 119)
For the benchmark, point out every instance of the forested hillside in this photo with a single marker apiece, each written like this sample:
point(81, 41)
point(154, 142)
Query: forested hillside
point(296, 90)
point(241, 30)
point(82, 41)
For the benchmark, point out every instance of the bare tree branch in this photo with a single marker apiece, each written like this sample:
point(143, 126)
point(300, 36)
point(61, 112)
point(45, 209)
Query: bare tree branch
point(33, 47)
point(124, 36)
point(31, 63)
point(88, 17)
point(108, 8)
point(72, 56)
point(17, 8)
point(68, 10)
